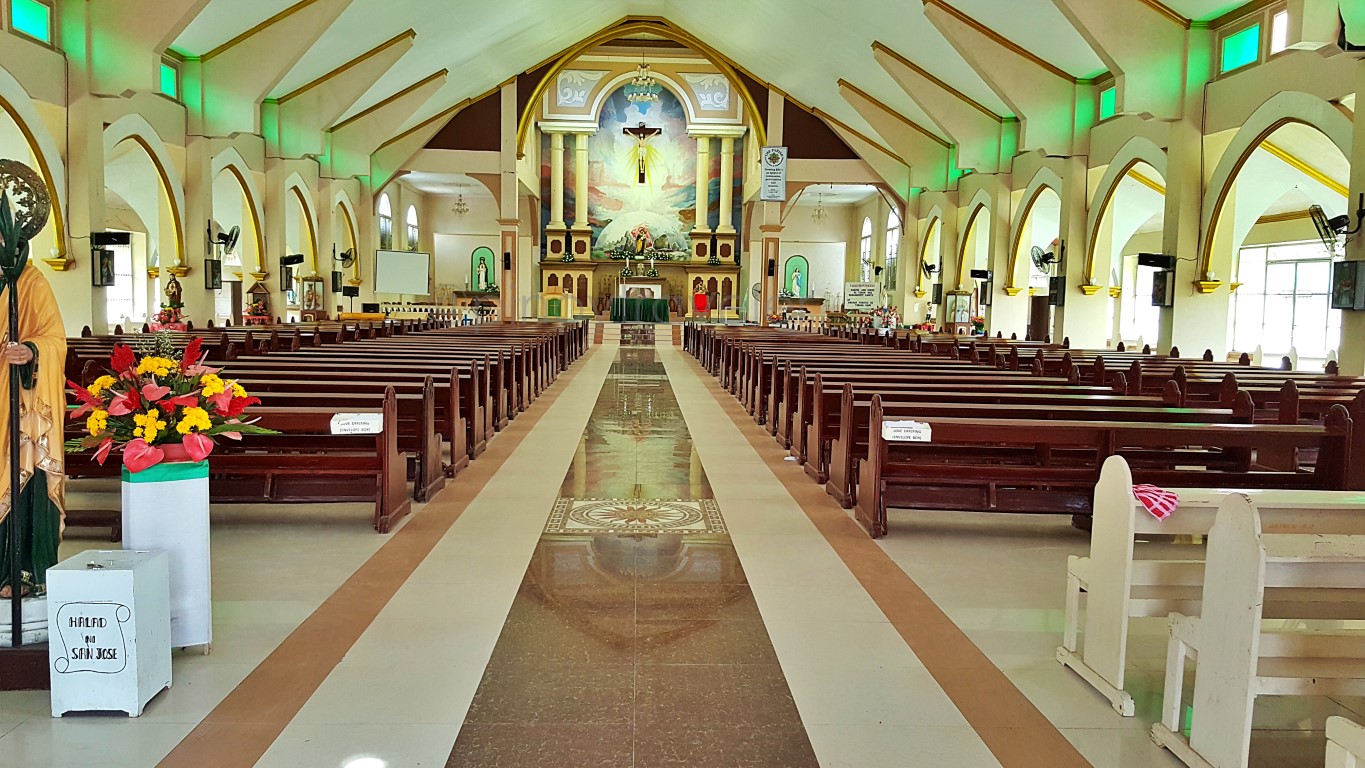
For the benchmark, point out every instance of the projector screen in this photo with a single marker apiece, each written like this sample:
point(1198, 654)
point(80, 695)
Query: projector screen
point(404, 272)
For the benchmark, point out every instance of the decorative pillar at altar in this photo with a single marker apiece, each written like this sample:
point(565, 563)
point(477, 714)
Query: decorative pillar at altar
point(556, 228)
point(581, 230)
point(727, 184)
point(701, 229)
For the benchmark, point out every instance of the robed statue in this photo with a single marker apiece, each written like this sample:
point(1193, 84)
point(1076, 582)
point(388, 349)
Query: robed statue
point(37, 353)
point(174, 293)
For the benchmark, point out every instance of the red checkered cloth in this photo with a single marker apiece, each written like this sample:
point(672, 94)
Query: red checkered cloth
point(1161, 503)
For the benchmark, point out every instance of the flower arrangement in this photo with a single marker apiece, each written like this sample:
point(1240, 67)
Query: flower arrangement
point(978, 323)
point(169, 314)
point(153, 398)
point(257, 308)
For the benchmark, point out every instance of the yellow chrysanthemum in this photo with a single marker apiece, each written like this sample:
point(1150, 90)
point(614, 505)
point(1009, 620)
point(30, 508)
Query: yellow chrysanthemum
point(158, 366)
point(101, 384)
point(97, 421)
point(193, 419)
point(238, 390)
point(212, 384)
point(149, 425)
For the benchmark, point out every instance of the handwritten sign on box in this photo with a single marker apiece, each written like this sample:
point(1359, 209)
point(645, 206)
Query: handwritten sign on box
point(357, 423)
point(907, 432)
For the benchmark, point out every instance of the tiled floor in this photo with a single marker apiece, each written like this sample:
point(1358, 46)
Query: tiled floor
point(633, 575)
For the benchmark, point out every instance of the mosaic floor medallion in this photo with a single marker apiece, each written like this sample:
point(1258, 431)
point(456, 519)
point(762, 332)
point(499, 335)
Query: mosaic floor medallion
point(635, 516)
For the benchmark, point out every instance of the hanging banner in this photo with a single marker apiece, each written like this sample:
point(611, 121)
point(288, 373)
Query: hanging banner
point(773, 186)
point(861, 297)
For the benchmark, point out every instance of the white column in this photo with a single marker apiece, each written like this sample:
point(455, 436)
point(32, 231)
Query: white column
point(703, 183)
point(727, 183)
point(556, 181)
point(580, 177)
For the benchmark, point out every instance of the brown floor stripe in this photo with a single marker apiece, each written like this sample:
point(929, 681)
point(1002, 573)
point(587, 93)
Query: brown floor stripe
point(1010, 725)
point(237, 733)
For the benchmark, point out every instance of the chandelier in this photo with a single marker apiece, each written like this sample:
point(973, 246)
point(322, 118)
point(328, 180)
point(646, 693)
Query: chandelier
point(643, 87)
point(460, 208)
point(820, 213)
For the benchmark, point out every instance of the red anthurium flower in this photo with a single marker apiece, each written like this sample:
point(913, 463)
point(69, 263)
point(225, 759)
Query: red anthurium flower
point(198, 446)
point(123, 404)
point(102, 452)
point(123, 360)
point(153, 392)
point(170, 404)
point(81, 411)
point(138, 455)
point(221, 401)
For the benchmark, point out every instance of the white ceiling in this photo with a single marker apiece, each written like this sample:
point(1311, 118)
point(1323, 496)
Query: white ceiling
point(446, 184)
point(835, 194)
point(802, 47)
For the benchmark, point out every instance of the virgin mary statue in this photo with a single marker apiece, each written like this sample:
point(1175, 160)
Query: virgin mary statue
point(40, 353)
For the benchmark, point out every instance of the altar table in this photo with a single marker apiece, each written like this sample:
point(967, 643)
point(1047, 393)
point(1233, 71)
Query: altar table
point(639, 310)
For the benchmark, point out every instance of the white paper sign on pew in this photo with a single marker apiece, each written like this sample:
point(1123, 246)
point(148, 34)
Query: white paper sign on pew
point(357, 423)
point(906, 432)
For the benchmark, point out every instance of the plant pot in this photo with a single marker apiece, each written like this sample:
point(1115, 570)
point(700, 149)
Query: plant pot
point(166, 509)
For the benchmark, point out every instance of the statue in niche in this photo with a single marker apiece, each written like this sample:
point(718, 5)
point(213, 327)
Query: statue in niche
point(796, 283)
point(482, 272)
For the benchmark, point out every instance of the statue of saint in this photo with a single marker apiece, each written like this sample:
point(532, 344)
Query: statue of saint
point(174, 293)
point(796, 283)
point(42, 399)
point(482, 271)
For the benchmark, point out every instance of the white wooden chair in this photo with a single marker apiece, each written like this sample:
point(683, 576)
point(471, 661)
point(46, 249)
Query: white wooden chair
point(1118, 586)
point(1345, 743)
point(1243, 660)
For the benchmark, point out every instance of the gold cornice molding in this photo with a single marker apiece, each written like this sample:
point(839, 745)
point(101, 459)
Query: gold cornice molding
point(1207, 286)
point(1274, 218)
point(893, 113)
point(1001, 40)
point(281, 16)
point(877, 45)
point(623, 27)
point(1147, 182)
point(1168, 12)
point(1303, 167)
point(391, 42)
point(1090, 290)
point(375, 107)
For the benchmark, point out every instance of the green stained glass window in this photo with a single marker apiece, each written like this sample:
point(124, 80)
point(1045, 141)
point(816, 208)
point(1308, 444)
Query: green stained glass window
point(1241, 48)
point(1109, 102)
point(31, 17)
point(170, 80)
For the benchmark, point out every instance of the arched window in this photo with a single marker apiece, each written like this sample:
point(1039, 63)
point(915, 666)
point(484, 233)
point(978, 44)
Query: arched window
point(385, 224)
point(865, 251)
point(412, 228)
point(893, 244)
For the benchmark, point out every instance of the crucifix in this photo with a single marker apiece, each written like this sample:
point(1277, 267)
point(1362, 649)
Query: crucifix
point(642, 135)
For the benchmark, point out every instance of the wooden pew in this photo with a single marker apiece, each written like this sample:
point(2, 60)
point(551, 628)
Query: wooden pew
point(1236, 658)
point(1129, 575)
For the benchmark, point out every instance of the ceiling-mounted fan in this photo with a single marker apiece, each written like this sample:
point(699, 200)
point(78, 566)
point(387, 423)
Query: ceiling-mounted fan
point(1336, 230)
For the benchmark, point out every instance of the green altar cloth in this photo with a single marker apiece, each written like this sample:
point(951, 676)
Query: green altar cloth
point(639, 310)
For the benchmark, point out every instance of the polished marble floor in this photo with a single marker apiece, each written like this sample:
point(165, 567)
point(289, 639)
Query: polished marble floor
point(633, 574)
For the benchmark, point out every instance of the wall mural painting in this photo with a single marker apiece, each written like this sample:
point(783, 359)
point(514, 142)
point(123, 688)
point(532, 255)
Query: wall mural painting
point(796, 281)
point(659, 212)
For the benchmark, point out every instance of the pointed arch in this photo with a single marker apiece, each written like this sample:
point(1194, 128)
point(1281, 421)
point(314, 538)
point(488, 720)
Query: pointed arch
point(1136, 151)
point(295, 185)
point(135, 128)
point(231, 160)
point(16, 103)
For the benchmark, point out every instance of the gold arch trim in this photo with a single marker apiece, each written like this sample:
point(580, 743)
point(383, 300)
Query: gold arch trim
point(967, 233)
point(355, 238)
point(255, 217)
point(1206, 249)
point(1128, 173)
point(929, 233)
point(312, 228)
point(1145, 181)
point(654, 25)
point(1017, 240)
point(1302, 166)
point(166, 189)
point(58, 217)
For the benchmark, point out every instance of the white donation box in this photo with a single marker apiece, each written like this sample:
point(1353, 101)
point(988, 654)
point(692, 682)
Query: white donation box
point(109, 614)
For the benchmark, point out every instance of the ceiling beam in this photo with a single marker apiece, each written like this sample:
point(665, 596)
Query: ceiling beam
point(924, 152)
point(353, 140)
point(129, 38)
point(237, 76)
point(1141, 45)
point(302, 116)
point(1040, 93)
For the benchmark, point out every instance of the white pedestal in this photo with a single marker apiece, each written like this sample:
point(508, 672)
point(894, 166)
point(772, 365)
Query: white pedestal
point(110, 648)
point(166, 509)
point(33, 628)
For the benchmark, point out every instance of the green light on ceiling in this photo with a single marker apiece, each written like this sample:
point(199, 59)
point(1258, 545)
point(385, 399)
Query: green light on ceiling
point(1109, 106)
point(31, 18)
point(170, 81)
point(1241, 48)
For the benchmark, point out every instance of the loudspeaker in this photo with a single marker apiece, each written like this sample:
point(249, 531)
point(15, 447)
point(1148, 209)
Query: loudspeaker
point(286, 278)
point(350, 291)
point(100, 239)
point(772, 267)
point(291, 259)
point(1158, 260)
point(980, 274)
point(506, 259)
point(336, 282)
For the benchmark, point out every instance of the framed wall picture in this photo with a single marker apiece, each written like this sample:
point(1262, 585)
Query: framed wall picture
point(1347, 290)
point(213, 274)
point(102, 268)
point(1163, 289)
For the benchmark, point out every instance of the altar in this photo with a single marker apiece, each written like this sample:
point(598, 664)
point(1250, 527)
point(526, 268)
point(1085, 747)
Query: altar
point(639, 310)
